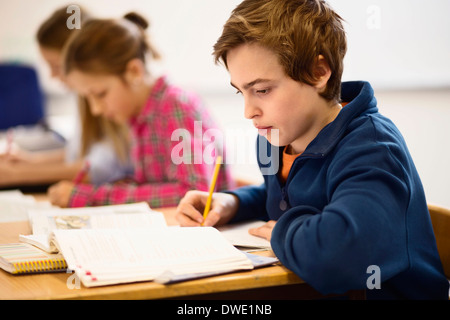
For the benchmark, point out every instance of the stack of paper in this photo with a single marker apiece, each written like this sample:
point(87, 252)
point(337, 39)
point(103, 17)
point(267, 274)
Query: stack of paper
point(14, 205)
point(31, 138)
point(45, 221)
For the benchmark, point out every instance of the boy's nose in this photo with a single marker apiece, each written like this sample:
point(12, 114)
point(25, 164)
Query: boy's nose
point(250, 109)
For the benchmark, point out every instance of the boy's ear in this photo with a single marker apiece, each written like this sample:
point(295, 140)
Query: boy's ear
point(134, 72)
point(322, 73)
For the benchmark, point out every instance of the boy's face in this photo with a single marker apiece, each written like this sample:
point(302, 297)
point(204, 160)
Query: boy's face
point(275, 102)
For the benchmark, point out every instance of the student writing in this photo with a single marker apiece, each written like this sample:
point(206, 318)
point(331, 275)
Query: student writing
point(347, 195)
point(107, 62)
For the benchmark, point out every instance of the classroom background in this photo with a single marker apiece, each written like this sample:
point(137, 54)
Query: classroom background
point(402, 47)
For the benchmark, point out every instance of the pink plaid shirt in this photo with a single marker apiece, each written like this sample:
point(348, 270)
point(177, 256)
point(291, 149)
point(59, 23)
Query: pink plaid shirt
point(157, 179)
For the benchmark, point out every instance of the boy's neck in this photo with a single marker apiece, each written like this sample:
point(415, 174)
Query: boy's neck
point(331, 111)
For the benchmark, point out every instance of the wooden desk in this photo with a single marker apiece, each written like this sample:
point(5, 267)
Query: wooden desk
point(274, 282)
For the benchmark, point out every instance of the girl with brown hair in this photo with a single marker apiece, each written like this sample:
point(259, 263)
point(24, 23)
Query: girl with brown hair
point(107, 63)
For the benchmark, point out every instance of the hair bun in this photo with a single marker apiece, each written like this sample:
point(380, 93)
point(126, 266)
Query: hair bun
point(137, 19)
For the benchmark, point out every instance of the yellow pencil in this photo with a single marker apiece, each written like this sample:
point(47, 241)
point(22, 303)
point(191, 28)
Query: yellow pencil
point(211, 187)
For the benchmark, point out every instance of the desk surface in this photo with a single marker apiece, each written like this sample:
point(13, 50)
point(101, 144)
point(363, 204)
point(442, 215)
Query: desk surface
point(273, 282)
point(54, 285)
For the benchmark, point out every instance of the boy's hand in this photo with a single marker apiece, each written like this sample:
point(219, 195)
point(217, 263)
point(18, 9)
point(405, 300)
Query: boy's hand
point(59, 193)
point(264, 231)
point(190, 209)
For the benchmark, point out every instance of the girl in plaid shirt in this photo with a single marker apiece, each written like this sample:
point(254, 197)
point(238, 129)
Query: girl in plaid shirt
point(106, 63)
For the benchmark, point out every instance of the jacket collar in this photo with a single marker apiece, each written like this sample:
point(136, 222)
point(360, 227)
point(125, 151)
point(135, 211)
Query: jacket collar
point(361, 99)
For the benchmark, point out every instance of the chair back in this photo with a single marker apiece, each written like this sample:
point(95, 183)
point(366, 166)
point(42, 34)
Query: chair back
point(440, 219)
point(21, 99)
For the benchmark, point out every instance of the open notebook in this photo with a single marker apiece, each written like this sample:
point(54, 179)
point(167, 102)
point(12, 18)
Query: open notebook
point(112, 256)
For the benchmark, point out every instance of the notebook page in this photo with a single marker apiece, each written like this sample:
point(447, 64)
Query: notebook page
point(126, 215)
point(238, 235)
point(125, 255)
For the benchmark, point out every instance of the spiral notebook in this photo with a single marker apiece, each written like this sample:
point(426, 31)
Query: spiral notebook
point(23, 258)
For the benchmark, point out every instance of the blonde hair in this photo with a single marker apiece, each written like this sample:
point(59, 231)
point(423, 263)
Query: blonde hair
point(297, 31)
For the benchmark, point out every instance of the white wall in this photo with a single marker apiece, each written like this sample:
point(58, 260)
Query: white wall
point(184, 32)
point(392, 43)
point(395, 44)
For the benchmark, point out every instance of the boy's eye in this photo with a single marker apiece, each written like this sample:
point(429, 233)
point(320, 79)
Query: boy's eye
point(238, 92)
point(262, 91)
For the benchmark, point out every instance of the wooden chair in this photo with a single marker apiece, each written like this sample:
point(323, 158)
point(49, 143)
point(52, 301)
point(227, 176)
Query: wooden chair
point(440, 219)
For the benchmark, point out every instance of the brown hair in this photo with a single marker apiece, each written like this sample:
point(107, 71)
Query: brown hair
point(297, 31)
point(95, 128)
point(107, 45)
point(54, 33)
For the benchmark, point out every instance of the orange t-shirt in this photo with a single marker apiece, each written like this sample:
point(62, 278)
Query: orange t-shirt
point(286, 164)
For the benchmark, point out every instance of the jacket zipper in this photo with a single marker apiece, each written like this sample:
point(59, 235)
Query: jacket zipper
point(284, 204)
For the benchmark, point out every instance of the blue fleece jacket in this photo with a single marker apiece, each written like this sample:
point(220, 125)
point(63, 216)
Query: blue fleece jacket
point(352, 200)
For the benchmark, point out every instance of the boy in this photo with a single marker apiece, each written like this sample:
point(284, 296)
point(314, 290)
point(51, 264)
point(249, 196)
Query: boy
point(347, 198)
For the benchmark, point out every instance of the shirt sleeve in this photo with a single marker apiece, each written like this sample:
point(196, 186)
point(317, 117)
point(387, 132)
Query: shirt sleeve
point(252, 203)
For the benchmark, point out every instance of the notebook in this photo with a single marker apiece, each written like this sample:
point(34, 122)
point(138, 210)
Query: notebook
point(102, 257)
point(44, 221)
point(22, 258)
point(238, 235)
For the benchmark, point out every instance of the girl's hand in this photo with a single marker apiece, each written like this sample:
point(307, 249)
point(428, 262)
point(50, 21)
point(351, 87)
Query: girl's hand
point(59, 193)
point(8, 173)
point(190, 209)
